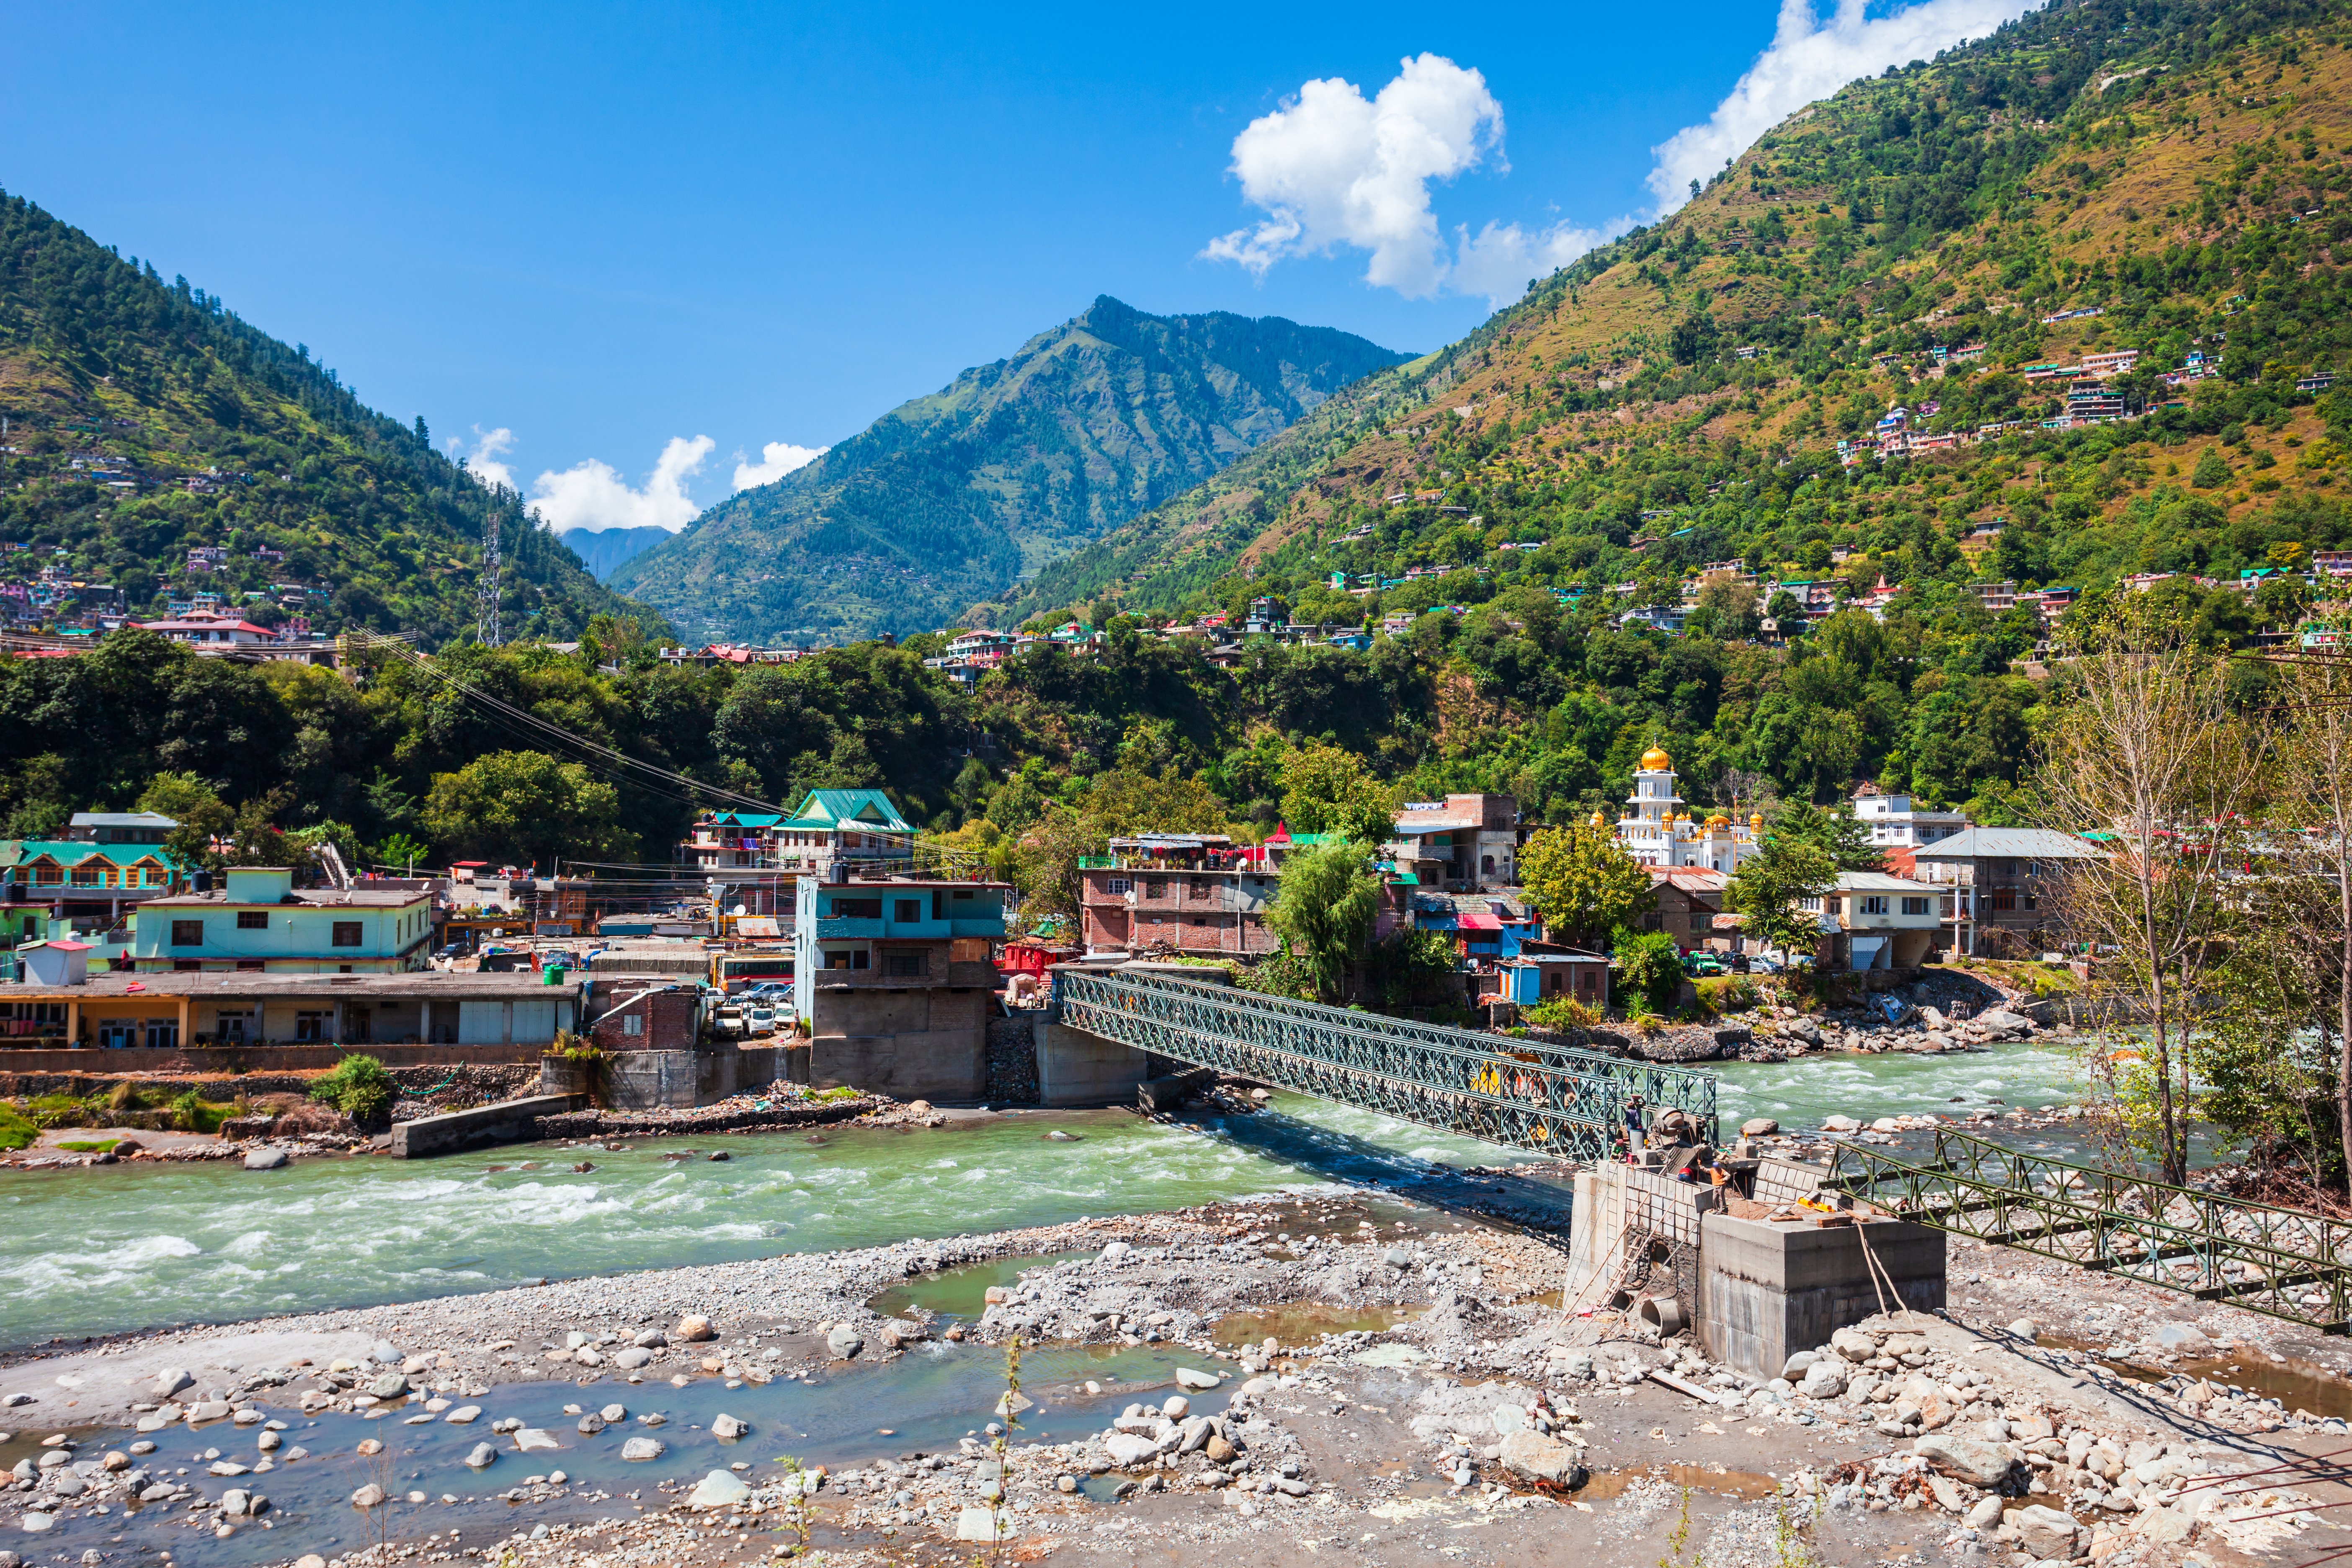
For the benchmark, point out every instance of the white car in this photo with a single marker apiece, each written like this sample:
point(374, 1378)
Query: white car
point(762, 1020)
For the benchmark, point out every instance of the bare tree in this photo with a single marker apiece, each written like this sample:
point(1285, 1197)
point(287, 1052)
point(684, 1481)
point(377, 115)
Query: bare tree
point(2148, 749)
point(2317, 800)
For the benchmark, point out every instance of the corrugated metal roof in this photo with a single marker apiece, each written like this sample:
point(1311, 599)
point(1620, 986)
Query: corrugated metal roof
point(2023, 843)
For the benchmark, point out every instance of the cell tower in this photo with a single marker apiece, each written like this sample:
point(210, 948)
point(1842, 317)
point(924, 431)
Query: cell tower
point(487, 625)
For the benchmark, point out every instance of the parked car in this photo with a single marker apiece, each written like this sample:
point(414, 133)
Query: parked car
point(454, 950)
point(728, 1020)
point(762, 1020)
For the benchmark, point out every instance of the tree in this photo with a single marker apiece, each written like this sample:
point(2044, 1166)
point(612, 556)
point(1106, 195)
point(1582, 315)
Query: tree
point(195, 805)
point(1769, 886)
point(525, 808)
point(1583, 881)
point(2150, 751)
point(2318, 796)
point(1649, 965)
point(1327, 790)
point(1841, 837)
point(1324, 909)
point(2211, 472)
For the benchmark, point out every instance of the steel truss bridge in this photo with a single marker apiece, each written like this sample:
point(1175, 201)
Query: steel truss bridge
point(2284, 1263)
point(1551, 1100)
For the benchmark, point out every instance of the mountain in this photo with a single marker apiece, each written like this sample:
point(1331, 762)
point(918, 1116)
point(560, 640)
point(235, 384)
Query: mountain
point(603, 551)
point(942, 503)
point(2165, 176)
point(144, 422)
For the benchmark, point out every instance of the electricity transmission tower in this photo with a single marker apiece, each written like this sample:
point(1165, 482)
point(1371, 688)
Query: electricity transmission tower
point(487, 625)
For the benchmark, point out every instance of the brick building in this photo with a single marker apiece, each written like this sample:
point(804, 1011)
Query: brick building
point(630, 1012)
point(1186, 892)
point(1999, 879)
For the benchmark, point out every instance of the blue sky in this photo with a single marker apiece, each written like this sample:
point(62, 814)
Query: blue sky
point(605, 230)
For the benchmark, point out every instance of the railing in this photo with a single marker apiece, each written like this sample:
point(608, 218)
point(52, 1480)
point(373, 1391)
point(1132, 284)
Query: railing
point(1552, 1099)
point(2285, 1263)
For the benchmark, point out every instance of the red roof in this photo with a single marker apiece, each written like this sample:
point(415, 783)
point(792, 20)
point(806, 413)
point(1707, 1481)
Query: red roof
point(1480, 923)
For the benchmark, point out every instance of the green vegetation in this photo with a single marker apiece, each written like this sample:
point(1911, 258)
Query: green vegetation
point(946, 499)
point(17, 1130)
point(1581, 880)
point(358, 1086)
point(232, 440)
point(125, 1105)
point(1649, 970)
point(1329, 896)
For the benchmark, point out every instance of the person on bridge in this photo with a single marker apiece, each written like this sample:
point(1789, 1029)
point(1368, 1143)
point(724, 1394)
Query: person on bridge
point(1636, 1129)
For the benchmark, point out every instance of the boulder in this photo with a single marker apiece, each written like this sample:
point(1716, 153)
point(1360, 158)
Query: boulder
point(170, 1380)
point(532, 1439)
point(845, 1342)
point(1128, 1449)
point(2044, 1532)
point(691, 1329)
point(482, 1458)
point(1840, 1124)
point(1198, 1381)
point(1986, 1514)
point(1797, 1365)
point(1174, 1406)
point(390, 1385)
point(641, 1449)
point(987, 1524)
point(1972, 1460)
point(234, 1501)
point(727, 1429)
point(2181, 1337)
point(591, 1423)
point(1758, 1127)
point(368, 1496)
point(1531, 1455)
point(464, 1415)
point(1823, 1380)
point(633, 1357)
point(265, 1160)
point(651, 1340)
point(719, 1488)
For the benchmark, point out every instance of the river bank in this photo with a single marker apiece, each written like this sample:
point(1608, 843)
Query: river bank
point(1416, 1395)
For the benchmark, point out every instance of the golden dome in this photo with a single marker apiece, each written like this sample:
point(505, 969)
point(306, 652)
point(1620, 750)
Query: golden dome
point(1655, 760)
point(1596, 820)
point(1717, 819)
point(1756, 822)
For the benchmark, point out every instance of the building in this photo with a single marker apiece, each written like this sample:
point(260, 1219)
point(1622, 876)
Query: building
point(1548, 976)
point(77, 882)
point(119, 828)
point(829, 828)
point(1195, 893)
point(1896, 823)
point(1463, 843)
point(1684, 901)
point(1998, 881)
point(1879, 922)
point(892, 979)
point(211, 629)
point(260, 922)
point(1658, 832)
point(170, 1011)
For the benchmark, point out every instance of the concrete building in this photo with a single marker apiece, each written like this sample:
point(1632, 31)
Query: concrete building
point(1881, 921)
point(1997, 882)
point(893, 983)
point(1687, 900)
point(1463, 843)
point(260, 921)
point(829, 830)
point(173, 1010)
point(1191, 892)
point(1657, 828)
point(119, 828)
point(1897, 822)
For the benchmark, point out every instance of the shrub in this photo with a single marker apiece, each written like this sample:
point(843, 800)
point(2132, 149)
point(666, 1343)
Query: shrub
point(16, 1130)
point(1649, 968)
point(358, 1086)
point(1726, 993)
point(1561, 1013)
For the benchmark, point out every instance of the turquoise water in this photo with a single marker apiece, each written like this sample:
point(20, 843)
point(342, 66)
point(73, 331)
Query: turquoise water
point(120, 1247)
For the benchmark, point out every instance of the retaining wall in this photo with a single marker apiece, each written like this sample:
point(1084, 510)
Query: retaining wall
point(226, 1059)
point(508, 1122)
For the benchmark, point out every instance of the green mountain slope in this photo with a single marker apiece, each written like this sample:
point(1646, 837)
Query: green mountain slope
point(2166, 175)
point(145, 421)
point(943, 503)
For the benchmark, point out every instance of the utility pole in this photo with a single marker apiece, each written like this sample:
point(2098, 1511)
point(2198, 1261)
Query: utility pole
point(487, 625)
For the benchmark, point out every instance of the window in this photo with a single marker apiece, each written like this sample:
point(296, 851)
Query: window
point(909, 911)
point(313, 1027)
point(1810, 906)
point(162, 1034)
point(1875, 904)
point(229, 1028)
point(1199, 920)
point(1914, 906)
point(633, 1024)
point(837, 960)
point(347, 933)
point(244, 964)
point(905, 965)
point(857, 909)
point(253, 919)
point(2004, 898)
point(187, 933)
point(85, 879)
point(1119, 887)
point(1155, 889)
point(938, 904)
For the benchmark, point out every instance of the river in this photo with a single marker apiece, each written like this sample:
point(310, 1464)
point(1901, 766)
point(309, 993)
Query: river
point(118, 1247)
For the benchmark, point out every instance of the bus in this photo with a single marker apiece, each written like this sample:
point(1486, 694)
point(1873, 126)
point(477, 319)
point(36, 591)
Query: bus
point(732, 972)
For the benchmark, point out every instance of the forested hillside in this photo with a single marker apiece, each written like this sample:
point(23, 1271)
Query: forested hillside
point(2172, 172)
point(144, 420)
point(949, 499)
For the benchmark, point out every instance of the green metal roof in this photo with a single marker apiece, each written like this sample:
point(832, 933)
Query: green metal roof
point(869, 808)
point(76, 852)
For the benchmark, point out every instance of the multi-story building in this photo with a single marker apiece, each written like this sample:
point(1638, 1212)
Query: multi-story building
point(260, 921)
point(1876, 922)
point(1463, 843)
point(1191, 892)
point(1896, 823)
point(894, 982)
point(1657, 830)
point(829, 828)
point(1998, 881)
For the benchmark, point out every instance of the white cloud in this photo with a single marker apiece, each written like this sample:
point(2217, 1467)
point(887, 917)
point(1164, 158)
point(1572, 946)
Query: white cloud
point(593, 496)
point(482, 462)
point(1809, 59)
point(777, 459)
point(1500, 259)
point(1331, 168)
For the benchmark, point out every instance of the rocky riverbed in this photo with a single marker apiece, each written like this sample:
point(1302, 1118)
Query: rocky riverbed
point(1335, 1379)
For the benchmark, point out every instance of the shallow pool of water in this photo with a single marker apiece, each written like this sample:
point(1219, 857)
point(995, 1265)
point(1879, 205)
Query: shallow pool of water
point(927, 1399)
point(1300, 1324)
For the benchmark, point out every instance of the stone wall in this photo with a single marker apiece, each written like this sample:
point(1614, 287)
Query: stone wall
point(909, 1044)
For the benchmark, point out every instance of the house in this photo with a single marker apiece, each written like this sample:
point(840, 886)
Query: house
point(166, 1011)
point(1655, 831)
point(829, 829)
point(1548, 976)
point(259, 922)
point(1464, 844)
point(894, 980)
point(1895, 823)
point(76, 880)
point(121, 826)
point(1194, 893)
point(1684, 901)
point(209, 630)
point(1880, 922)
point(1998, 881)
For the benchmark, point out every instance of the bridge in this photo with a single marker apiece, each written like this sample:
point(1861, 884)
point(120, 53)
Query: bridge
point(1569, 1104)
point(1550, 1099)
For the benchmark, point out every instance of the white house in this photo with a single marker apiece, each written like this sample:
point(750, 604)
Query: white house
point(1895, 823)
